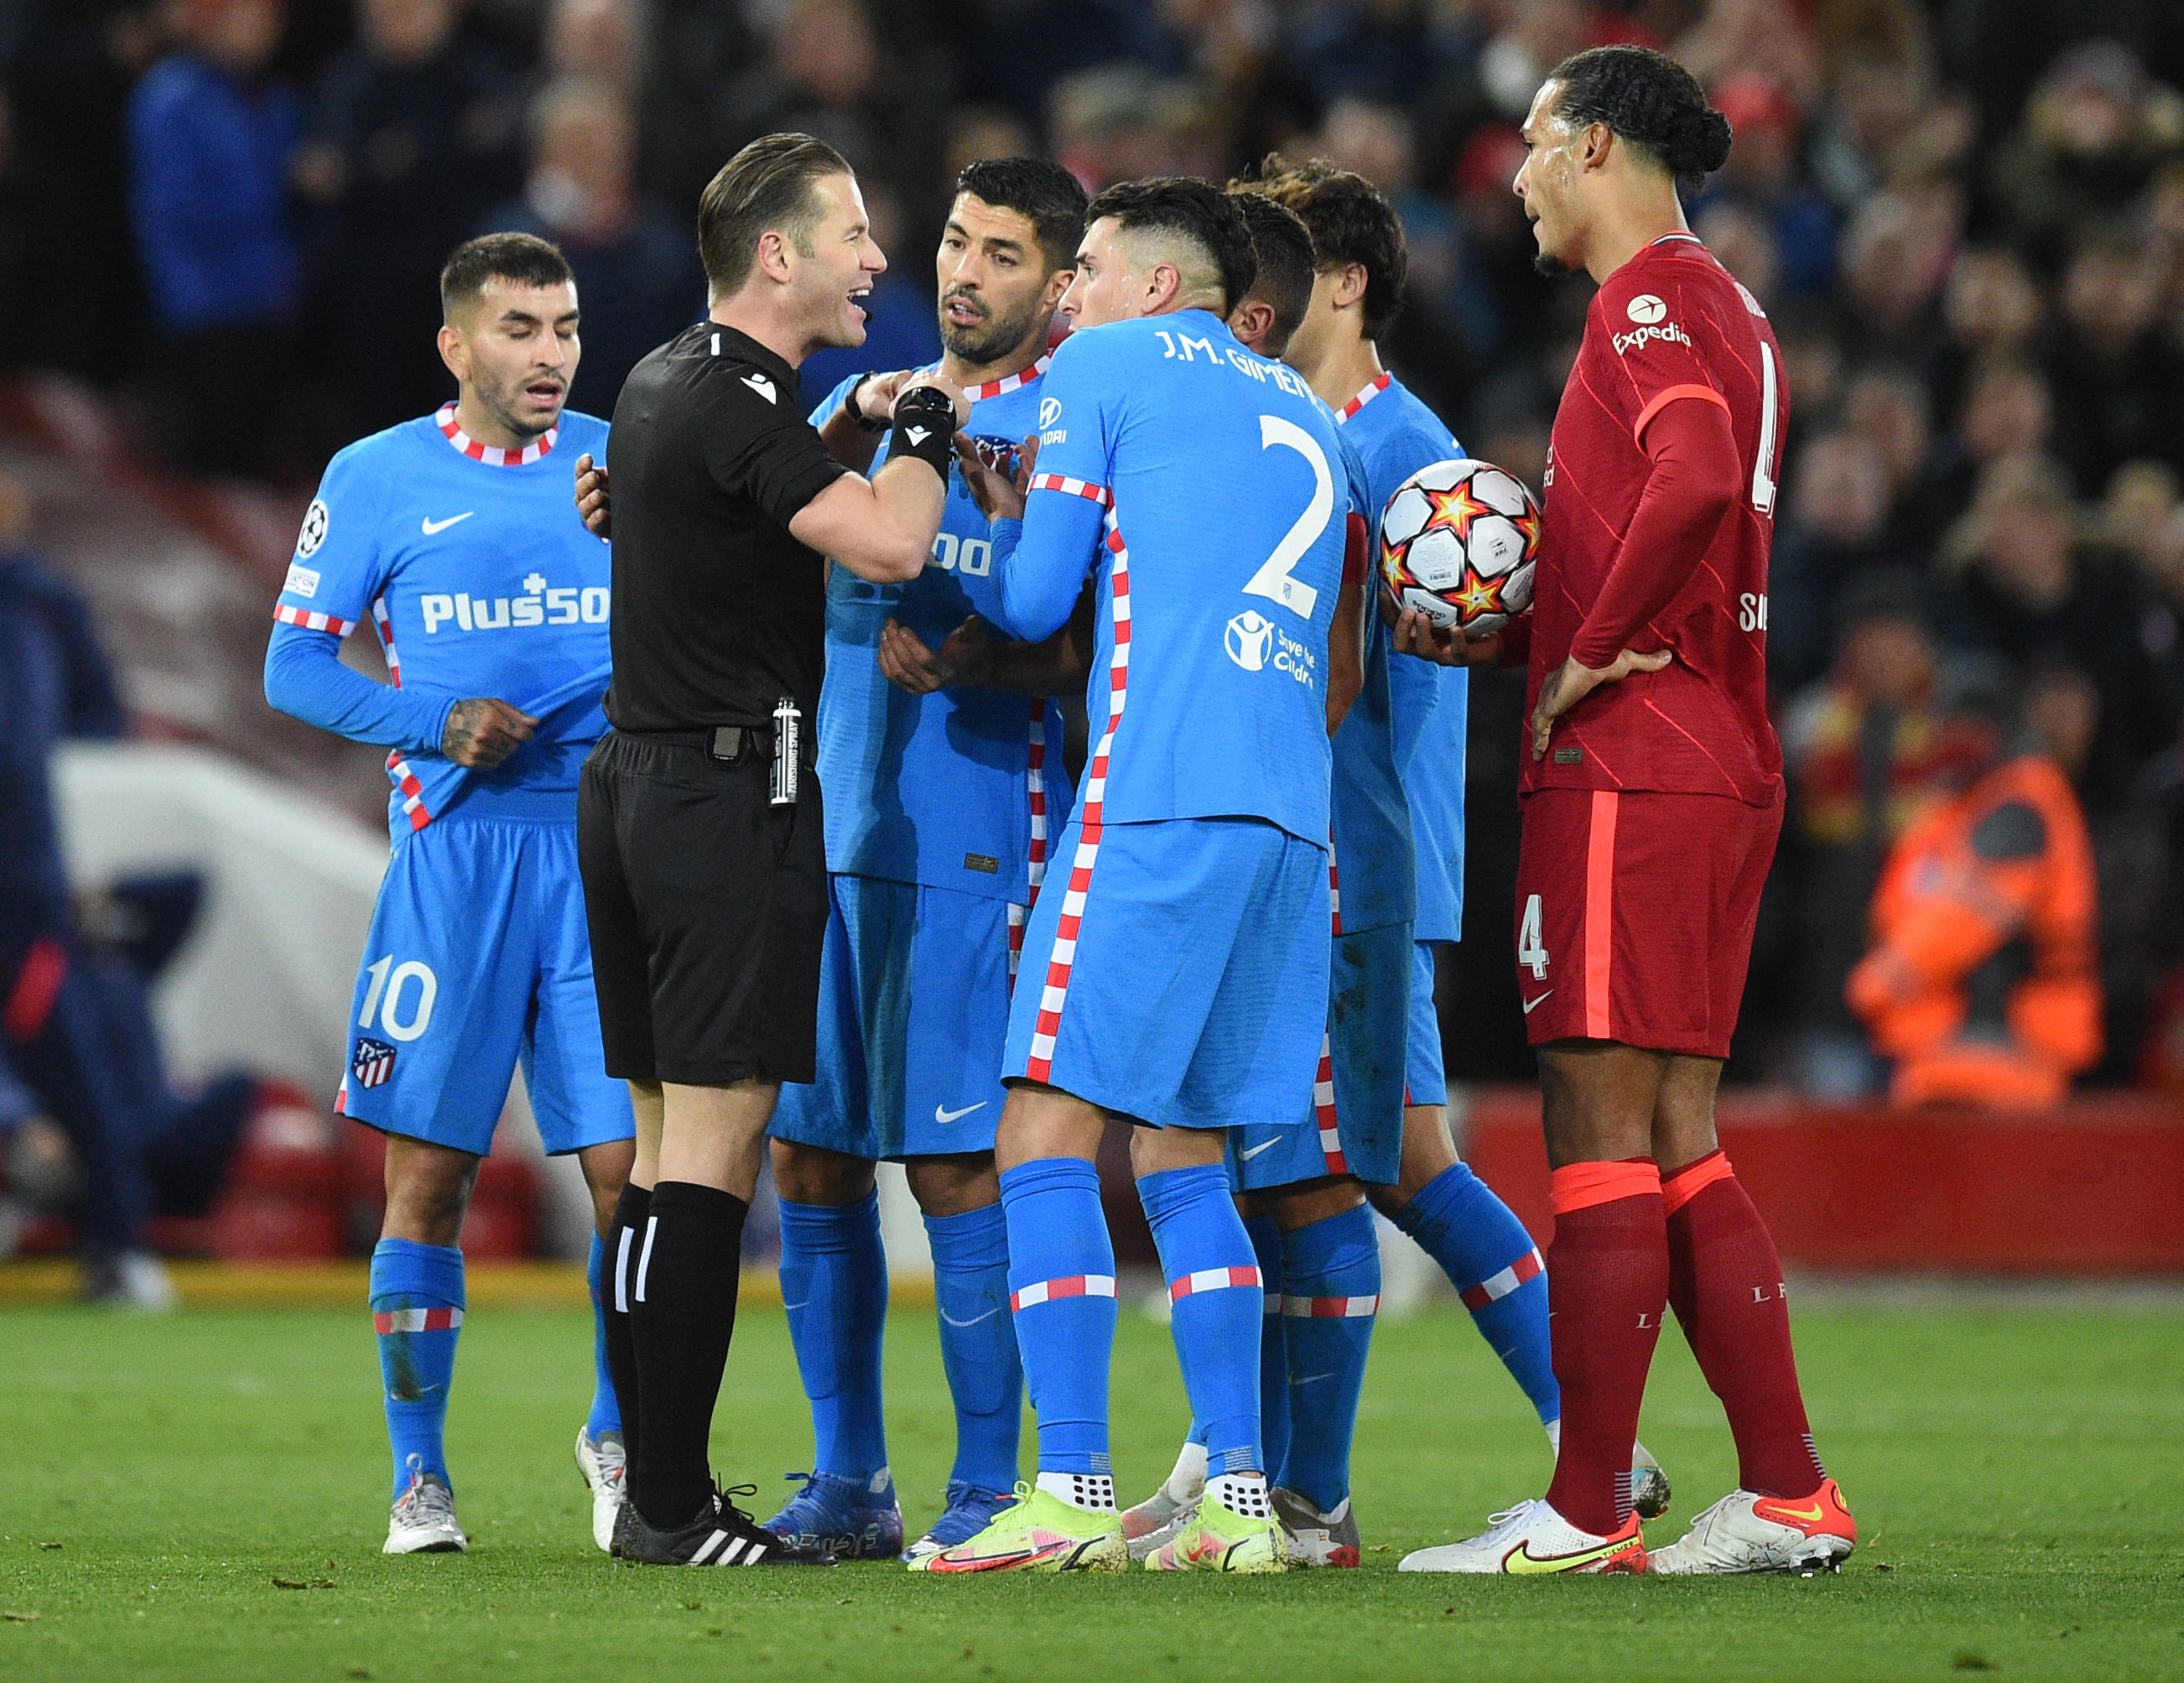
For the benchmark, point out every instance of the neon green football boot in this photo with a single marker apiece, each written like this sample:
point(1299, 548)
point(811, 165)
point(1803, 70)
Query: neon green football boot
point(1038, 1532)
point(1216, 1538)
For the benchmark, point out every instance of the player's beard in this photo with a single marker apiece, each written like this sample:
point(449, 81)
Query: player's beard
point(1547, 264)
point(990, 337)
point(500, 398)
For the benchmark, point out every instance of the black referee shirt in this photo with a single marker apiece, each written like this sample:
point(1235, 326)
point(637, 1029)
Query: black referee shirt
point(718, 612)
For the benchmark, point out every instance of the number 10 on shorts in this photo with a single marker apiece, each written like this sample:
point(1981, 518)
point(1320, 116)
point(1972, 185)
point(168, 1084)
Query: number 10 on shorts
point(404, 1012)
point(1531, 952)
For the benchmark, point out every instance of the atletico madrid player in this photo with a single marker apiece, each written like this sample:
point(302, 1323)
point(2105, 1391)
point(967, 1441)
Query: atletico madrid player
point(1652, 797)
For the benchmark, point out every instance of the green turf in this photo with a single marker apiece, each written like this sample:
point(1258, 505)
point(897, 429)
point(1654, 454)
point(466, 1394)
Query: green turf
point(2010, 1469)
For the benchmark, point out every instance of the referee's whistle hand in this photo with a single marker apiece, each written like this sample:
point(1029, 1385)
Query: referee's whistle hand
point(593, 502)
point(482, 732)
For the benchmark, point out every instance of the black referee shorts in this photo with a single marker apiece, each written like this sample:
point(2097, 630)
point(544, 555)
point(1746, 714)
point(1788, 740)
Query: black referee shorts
point(708, 908)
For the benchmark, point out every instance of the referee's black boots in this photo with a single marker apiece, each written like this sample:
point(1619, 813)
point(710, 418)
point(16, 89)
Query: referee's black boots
point(720, 1535)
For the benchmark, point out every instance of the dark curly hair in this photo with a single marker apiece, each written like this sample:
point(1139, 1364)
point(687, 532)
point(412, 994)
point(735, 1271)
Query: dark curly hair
point(1199, 211)
point(1651, 102)
point(1350, 221)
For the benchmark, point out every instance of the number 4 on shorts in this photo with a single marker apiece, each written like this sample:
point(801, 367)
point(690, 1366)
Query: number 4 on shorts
point(1530, 952)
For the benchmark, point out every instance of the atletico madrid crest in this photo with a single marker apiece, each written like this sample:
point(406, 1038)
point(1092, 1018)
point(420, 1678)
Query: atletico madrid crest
point(372, 1063)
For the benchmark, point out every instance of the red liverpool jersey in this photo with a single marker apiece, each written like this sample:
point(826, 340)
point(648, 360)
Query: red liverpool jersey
point(1670, 324)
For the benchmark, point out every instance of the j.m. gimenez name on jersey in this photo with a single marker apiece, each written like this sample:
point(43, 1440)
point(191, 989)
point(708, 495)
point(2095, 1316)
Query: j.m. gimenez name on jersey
point(1213, 610)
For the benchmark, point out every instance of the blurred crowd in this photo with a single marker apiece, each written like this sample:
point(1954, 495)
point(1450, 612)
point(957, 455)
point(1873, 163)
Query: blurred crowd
point(1965, 218)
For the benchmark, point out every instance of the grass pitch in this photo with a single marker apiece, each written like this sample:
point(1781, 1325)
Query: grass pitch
point(205, 1496)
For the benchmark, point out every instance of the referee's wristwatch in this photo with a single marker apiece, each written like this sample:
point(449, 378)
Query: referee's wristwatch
point(857, 410)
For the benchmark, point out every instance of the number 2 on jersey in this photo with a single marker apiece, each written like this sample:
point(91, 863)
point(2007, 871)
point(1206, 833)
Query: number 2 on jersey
point(1276, 578)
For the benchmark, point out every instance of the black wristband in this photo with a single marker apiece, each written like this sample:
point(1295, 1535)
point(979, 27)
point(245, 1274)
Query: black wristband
point(857, 410)
point(924, 427)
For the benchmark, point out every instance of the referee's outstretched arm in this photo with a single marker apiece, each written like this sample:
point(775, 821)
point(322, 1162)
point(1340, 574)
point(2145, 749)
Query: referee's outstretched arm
point(881, 528)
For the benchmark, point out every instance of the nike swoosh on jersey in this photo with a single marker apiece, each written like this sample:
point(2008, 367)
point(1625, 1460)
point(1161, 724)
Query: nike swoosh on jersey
point(944, 1117)
point(1251, 1151)
point(1521, 1561)
point(1530, 1004)
point(433, 528)
point(974, 1319)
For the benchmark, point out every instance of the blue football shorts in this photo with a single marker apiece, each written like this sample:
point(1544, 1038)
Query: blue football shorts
point(1177, 974)
point(1426, 1078)
point(1356, 1124)
point(478, 961)
point(913, 1011)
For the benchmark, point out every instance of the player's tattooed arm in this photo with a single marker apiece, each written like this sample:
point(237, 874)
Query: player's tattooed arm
point(593, 501)
point(482, 732)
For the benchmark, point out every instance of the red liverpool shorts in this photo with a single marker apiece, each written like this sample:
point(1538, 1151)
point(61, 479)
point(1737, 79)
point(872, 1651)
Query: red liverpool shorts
point(1634, 914)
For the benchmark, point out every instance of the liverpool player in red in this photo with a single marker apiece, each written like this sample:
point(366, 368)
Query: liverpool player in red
point(1652, 796)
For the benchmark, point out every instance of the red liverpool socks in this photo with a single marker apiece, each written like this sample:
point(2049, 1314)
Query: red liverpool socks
point(1725, 1282)
point(1607, 1284)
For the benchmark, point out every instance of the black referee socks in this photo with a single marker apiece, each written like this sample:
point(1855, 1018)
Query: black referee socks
point(624, 1241)
point(682, 1314)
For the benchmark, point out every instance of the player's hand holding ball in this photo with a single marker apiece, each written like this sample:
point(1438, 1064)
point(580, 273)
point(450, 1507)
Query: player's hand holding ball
point(1458, 542)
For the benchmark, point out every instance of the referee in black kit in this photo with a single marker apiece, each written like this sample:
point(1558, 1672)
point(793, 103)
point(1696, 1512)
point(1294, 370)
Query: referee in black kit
point(699, 823)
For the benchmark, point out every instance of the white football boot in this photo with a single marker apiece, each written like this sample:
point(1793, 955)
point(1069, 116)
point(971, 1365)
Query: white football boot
point(1747, 1532)
point(423, 1521)
point(1157, 1520)
point(605, 1467)
point(1531, 1538)
point(1318, 1539)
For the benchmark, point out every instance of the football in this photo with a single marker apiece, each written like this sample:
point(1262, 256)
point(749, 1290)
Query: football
point(1458, 540)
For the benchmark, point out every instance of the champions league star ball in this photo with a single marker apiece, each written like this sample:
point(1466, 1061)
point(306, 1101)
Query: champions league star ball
point(1457, 543)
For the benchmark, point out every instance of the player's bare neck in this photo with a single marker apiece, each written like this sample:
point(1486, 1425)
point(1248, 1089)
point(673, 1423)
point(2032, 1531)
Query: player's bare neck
point(1350, 366)
point(1625, 230)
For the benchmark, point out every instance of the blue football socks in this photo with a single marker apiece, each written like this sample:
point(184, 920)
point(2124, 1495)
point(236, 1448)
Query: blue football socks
point(1487, 1255)
point(834, 1285)
point(1213, 1287)
point(1331, 1281)
point(417, 1312)
point(1273, 1346)
point(1061, 1290)
point(978, 1343)
point(606, 1408)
